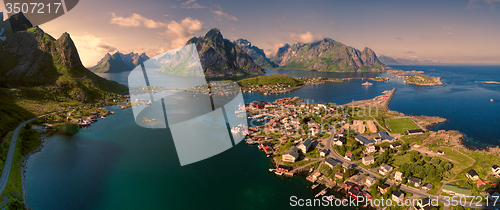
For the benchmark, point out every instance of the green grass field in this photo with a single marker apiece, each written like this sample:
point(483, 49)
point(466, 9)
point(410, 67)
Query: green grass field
point(400, 125)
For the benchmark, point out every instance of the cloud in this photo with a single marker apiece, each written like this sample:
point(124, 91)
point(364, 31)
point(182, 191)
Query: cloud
point(191, 4)
point(304, 36)
point(220, 14)
point(177, 33)
point(91, 48)
point(482, 3)
point(136, 20)
point(275, 46)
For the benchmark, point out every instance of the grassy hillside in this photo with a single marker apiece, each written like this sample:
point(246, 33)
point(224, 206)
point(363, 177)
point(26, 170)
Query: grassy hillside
point(270, 79)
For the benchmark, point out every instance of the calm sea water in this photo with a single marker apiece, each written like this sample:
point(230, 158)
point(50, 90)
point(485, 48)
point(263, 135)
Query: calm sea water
point(115, 164)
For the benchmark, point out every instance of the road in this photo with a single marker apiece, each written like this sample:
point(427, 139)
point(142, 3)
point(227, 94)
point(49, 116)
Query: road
point(414, 191)
point(10, 155)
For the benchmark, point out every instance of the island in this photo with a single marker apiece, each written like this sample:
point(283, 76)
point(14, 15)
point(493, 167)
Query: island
point(489, 82)
point(420, 79)
point(279, 83)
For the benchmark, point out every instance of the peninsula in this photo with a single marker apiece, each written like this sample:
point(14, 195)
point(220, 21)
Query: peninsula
point(489, 82)
point(364, 149)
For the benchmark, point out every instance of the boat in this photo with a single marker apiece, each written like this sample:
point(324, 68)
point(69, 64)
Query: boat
point(272, 170)
point(102, 117)
point(240, 129)
point(491, 100)
point(241, 115)
point(311, 170)
point(331, 197)
point(367, 83)
point(314, 186)
point(279, 173)
point(241, 108)
point(323, 192)
point(84, 123)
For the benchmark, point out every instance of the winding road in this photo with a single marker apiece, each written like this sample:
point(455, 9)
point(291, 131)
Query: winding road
point(10, 155)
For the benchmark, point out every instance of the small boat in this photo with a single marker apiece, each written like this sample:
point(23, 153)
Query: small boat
point(323, 192)
point(331, 197)
point(84, 123)
point(102, 117)
point(491, 100)
point(314, 186)
point(279, 173)
point(367, 83)
point(272, 170)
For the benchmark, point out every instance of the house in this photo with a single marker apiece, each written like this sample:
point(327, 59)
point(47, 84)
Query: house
point(495, 169)
point(415, 181)
point(354, 193)
point(395, 145)
point(455, 190)
point(385, 169)
point(398, 176)
point(427, 186)
point(331, 162)
point(291, 155)
point(481, 182)
point(258, 104)
point(339, 175)
point(383, 188)
point(384, 136)
point(371, 126)
point(348, 156)
point(316, 175)
point(304, 146)
point(363, 140)
point(284, 168)
point(397, 195)
point(415, 132)
point(370, 181)
point(471, 174)
point(370, 149)
point(492, 194)
point(424, 204)
point(351, 185)
point(346, 166)
point(368, 160)
point(439, 152)
point(324, 152)
point(340, 140)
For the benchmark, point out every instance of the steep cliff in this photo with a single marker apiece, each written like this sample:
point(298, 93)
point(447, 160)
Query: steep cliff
point(257, 54)
point(221, 58)
point(118, 62)
point(327, 55)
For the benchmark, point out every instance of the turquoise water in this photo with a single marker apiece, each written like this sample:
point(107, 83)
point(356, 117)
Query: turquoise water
point(115, 164)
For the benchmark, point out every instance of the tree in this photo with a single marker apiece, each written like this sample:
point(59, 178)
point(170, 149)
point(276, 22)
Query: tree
point(435, 161)
point(405, 147)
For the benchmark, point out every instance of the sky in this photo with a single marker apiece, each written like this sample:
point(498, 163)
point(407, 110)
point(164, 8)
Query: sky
point(447, 31)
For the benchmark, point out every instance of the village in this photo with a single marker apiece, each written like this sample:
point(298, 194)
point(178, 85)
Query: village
point(362, 149)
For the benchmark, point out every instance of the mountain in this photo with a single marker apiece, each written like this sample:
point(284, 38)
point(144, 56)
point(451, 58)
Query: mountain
point(34, 61)
point(257, 54)
point(19, 22)
point(221, 58)
point(118, 62)
point(401, 61)
point(327, 55)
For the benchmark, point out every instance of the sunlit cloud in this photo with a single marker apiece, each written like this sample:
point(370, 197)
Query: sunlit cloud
point(304, 36)
point(91, 48)
point(219, 14)
point(275, 46)
point(483, 3)
point(190, 4)
point(136, 20)
point(178, 33)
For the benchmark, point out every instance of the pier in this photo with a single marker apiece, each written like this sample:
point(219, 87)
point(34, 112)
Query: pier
point(386, 103)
